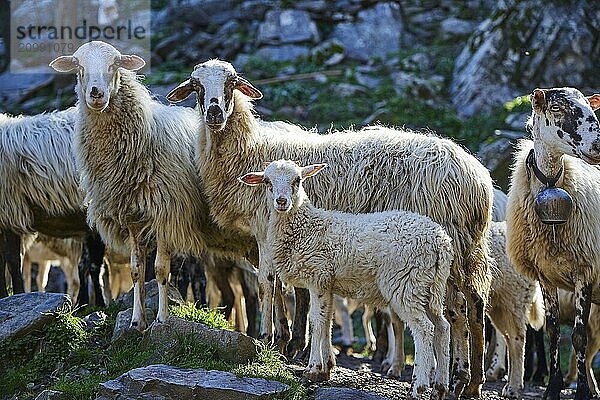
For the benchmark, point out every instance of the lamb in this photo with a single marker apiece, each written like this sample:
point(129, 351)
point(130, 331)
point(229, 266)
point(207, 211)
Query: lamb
point(396, 169)
point(136, 159)
point(400, 259)
point(566, 140)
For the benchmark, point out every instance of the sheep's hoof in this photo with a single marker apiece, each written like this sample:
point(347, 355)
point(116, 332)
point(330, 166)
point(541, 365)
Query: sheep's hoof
point(510, 392)
point(138, 325)
point(439, 392)
point(472, 391)
point(395, 371)
point(294, 347)
point(385, 366)
point(317, 374)
point(555, 385)
point(494, 375)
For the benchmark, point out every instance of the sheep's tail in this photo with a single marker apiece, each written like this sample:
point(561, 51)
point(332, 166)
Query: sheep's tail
point(537, 311)
point(445, 258)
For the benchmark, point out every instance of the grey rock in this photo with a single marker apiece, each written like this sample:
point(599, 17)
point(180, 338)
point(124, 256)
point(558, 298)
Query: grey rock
point(328, 52)
point(94, 320)
point(517, 121)
point(230, 346)
point(497, 156)
point(337, 393)
point(287, 26)
point(151, 289)
point(25, 312)
point(376, 33)
point(526, 45)
point(16, 87)
point(456, 28)
point(367, 80)
point(124, 320)
point(416, 62)
point(314, 6)
point(347, 89)
point(256, 9)
point(412, 85)
point(288, 52)
point(49, 395)
point(165, 382)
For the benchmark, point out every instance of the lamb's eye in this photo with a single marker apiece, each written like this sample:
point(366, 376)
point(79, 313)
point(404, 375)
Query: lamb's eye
point(554, 108)
point(268, 183)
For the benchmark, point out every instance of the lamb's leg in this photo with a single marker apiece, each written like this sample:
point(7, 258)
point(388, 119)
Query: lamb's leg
point(583, 301)
point(396, 357)
point(42, 275)
point(342, 318)
point(248, 287)
point(298, 342)
point(516, 361)
point(96, 249)
point(13, 259)
point(572, 371)
point(138, 267)
point(497, 367)
point(27, 273)
point(456, 308)
point(476, 315)
point(73, 279)
point(391, 343)
point(198, 279)
point(266, 281)
point(542, 365)
point(555, 384)
point(422, 329)
point(162, 267)
point(382, 320)
point(320, 318)
point(593, 345)
point(282, 326)
point(441, 347)
point(368, 328)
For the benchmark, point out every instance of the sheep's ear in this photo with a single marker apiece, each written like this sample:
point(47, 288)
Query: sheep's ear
point(181, 92)
point(130, 62)
point(594, 101)
point(538, 99)
point(311, 170)
point(252, 178)
point(244, 86)
point(64, 64)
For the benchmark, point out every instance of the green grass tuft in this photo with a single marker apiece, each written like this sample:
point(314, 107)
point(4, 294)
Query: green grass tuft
point(208, 316)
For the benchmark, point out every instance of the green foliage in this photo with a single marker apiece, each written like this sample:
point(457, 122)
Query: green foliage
point(518, 104)
point(82, 388)
point(208, 316)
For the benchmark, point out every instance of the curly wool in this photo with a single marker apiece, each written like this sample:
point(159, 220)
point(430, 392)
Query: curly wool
point(574, 244)
point(137, 168)
point(374, 169)
point(38, 175)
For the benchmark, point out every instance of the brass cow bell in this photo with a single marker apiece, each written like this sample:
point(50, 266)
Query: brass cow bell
point(553, 205)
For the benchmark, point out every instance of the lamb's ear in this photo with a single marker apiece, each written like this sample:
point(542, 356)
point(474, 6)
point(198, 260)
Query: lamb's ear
point(594, 101)
point(252, 178)
point(538, 99)
point(244, 86)
point(130, 62)
point(311, 170)
point(181, 92)
point(64, 64)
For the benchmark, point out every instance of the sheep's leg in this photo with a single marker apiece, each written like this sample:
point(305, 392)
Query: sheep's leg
point(138, 267)
point(95, 249)
point(593, 345)
point(422, 329)
point(13, 259)
point(382, 321)
point(266, 281)
point(3, 286)
point(162, 267)
point(73, 280)
point(542, 365)
point(282, 326)
point(298, 342)
point(251, 303)
point(516, 360)
point(497, 367)
point(26, 262)
point(476, 315)
point(583, 296)
point(42, 275)
point(368, 328)
point(555, 384)
point(456, 308)
point(395, 358)
point(441, 347)
point(321, 308)
point(198, 279)
point(572, 371)
point(342, 318)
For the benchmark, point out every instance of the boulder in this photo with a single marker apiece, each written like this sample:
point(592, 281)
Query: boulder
point(375, 33)
point(151, 289)
point(124, 319)
point(287, 26)
point(94, 320)
point(336, 393)
point(50, 395)
point(230, 346)
point(26, 312)
point(527, 44)
point(409, 84)
point(18, 87)
point(497, 156)
point(456, 28)
point(288, 52)
point(166, 383)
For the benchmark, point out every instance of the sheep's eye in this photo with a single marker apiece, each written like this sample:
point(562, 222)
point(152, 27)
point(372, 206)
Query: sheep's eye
point(268, 183)
point(555, 108)
point(296, 181)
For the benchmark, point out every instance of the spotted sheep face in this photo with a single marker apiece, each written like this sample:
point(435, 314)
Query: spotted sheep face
point(283, 180)
point(214, 82)
point(567, 122)
point(97, 65)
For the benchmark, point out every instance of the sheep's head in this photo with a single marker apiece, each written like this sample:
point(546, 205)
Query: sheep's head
point(214, 82)
point(97, 65)
point(566, 122)
point(284, 180)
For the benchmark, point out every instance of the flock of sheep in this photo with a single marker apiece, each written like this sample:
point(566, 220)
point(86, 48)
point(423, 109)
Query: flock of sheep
point(218, 179)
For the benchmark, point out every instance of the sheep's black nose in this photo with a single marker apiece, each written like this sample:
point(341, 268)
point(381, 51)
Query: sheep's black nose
point(214, 115)
point(96, 93)
point(281, 201)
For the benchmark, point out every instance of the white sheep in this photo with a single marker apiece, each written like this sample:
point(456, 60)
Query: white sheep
point(566, 140)
point(400, 259)
point(136, 159)
point(374, 169)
